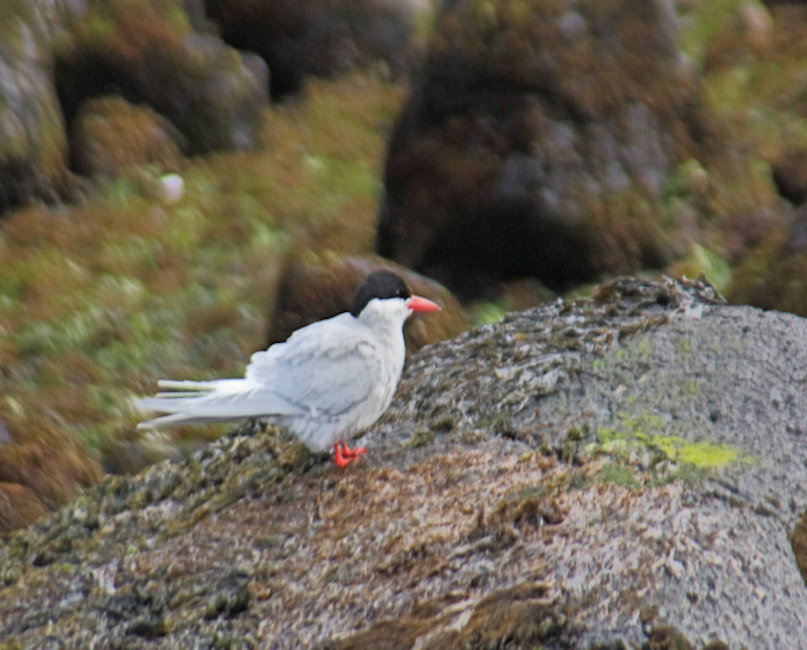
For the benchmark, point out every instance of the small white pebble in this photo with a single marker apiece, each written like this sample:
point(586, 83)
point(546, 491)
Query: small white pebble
point(172, 188)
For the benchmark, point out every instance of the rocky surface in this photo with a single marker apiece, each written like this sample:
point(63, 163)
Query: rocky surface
point(623, 470)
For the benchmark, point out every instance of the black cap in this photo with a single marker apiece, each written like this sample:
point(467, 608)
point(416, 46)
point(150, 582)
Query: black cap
point(380, 284)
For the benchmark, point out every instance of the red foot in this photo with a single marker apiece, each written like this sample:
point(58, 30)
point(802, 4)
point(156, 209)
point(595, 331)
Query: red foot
point(347, 452)
point(344, 455)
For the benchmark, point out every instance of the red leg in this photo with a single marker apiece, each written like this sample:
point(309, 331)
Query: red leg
point(340, 460)
point(347, 452)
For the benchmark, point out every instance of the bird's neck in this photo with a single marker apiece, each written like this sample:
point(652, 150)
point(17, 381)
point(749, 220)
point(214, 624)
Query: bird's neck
point(386, 320)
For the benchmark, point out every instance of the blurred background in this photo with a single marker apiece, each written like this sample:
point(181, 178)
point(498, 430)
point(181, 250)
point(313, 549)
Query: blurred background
point(185, 182)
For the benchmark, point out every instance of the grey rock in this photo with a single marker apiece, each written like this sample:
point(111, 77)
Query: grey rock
point(584, 474)
point(33, 144)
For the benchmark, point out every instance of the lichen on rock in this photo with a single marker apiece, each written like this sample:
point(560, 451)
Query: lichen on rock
point(484, 512)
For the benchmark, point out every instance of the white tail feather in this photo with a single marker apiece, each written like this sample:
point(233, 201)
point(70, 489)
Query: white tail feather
point(200, 402)
point(187, 385)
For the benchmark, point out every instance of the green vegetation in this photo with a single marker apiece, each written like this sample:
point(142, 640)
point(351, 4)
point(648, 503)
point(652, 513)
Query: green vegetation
point(704, 23)
point(643, 453)
point(421, 438)
point(700, 454)
point(101, 299)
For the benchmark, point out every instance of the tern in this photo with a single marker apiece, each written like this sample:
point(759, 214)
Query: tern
point(328, 382)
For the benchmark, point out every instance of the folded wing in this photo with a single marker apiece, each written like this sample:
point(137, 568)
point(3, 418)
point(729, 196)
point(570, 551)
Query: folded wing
point(322, 371)
point(328, 367)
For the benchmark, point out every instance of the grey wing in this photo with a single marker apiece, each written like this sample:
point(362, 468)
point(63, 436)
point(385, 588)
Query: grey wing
point(326, 368)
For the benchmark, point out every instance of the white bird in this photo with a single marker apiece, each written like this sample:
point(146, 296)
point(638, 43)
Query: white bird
point(326, 383)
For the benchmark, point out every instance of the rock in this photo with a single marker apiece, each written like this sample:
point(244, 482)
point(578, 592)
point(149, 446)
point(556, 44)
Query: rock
point(33, 145)
point(148, 53)
point(314, 288)
point(49, 468)
point(790, 174)
point(19, 507)
point(298, 38)
point(772, 276)
point(620, 471)
point(539, 141)
point(111, 136)
point(55, 56)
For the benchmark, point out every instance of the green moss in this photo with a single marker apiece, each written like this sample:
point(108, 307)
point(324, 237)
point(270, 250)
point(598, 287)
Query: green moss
point(645, 347)
point(646, 432)
point(692, 387)
point(575, 434)
point(487, 312)
point(644, 454)
point(421, 438)
point(532, 491)
point(713, 265)
point(618, 474)
point(702, 25)
point(698, 454)
point(11, 576)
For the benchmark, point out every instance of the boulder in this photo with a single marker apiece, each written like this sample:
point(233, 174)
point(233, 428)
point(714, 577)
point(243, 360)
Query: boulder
point(773, 275)
point(320, 286)
point(55, 56)
point(539, 140)
point(148, 53)
point(33, 145)
point(790, 174)
point(112, 136)
point(299, 38)
point(620, 471)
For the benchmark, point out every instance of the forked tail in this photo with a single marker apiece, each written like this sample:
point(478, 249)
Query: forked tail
point(192, 402)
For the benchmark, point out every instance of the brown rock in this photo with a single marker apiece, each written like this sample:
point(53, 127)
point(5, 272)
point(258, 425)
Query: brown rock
point(33, 145)
point(298, 38)
point(477, 539)
point(54, 58)
point(110, 135)
point(320, 287)
point(772, 276)
point(19, 507)
point(537, 142)
point(148, 53)
point(790, 175)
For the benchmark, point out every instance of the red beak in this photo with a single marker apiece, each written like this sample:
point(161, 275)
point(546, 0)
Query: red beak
point(416, 303)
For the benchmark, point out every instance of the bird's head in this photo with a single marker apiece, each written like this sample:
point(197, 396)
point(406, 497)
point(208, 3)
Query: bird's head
point(385, 292)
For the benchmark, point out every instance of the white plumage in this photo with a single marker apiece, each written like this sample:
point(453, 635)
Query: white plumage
point(326, 383)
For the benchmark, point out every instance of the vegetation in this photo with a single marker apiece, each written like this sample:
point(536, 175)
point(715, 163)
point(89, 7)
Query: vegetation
point(98, 300)
point(101, 298)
